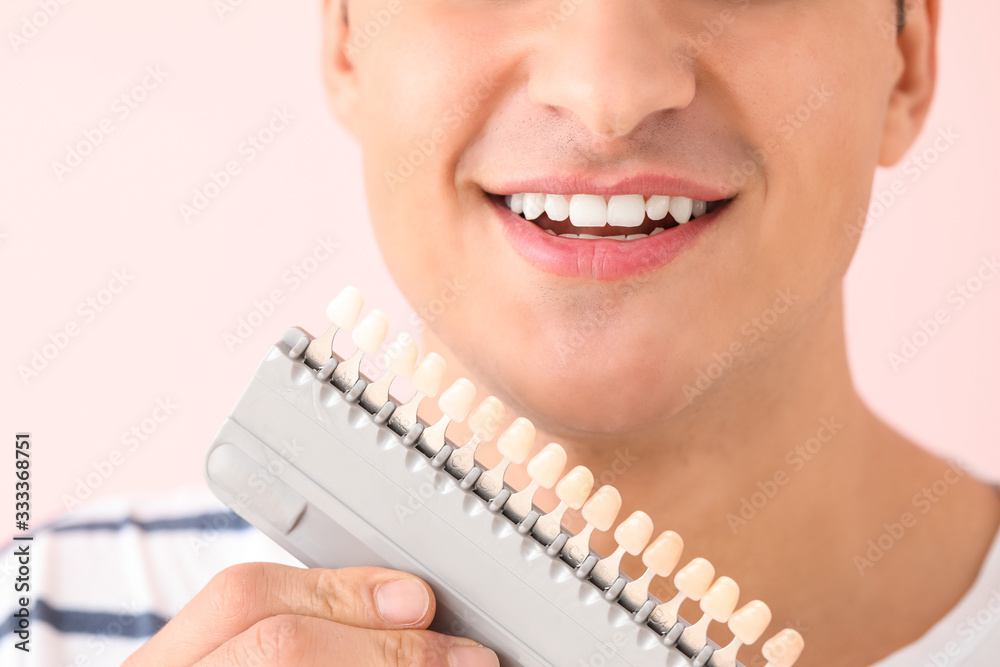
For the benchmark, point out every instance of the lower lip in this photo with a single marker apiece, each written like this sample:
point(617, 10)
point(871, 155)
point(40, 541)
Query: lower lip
point(599, 259)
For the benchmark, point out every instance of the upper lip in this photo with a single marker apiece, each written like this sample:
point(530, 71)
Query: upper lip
point(639, 183)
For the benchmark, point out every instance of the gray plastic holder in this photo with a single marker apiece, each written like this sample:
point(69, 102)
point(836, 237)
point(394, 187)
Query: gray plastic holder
point(320, 477)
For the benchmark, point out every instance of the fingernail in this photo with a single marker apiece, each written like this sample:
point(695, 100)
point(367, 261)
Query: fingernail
point(472, 656)
point(402, 601)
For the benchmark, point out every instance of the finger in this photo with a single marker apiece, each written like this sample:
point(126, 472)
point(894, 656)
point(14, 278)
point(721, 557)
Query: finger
point(303, 641)
point(240, 596)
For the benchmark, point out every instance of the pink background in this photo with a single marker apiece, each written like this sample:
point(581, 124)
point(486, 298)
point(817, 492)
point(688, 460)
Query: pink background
point(162, 336)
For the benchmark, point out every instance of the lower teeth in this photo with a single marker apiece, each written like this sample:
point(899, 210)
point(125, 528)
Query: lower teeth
point(619, 237)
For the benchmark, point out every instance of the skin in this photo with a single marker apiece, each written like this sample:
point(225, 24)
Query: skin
point(578, 95)
point(601, 365)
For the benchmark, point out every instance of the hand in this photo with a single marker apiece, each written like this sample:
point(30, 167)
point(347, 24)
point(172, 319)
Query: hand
point(269, 615)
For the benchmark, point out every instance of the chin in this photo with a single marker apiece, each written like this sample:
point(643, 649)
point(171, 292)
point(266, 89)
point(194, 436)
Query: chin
point(595, 394)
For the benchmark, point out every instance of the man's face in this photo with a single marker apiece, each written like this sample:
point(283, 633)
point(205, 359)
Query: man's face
point(771, 111)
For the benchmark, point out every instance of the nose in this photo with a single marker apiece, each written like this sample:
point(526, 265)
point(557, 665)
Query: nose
point(611, 63)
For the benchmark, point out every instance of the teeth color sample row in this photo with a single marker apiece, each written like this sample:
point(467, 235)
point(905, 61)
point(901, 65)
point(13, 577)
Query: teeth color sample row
point(697, 581)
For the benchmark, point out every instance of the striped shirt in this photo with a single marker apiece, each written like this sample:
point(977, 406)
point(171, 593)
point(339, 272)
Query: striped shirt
point(106, 577)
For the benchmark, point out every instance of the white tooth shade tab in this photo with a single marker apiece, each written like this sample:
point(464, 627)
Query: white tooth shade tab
point(546, 466)
point(456, 400)
point(626, 210)
point(680, 209)
point(749, 621)
point(698, 207)
point(720, 600)
point(556, 207)
point(428, 375)
point(534, 205)
point(783, 649)
point(370, 332)
point(574, 488)
point(516, 202)
point(695, 578)
point(634, 532)
point(485, 420)
point(588, 211)
point(345, 307)
point(657, 207)
point(602, 508)
point(664, 553)
point(402, 356)
point(516, 441)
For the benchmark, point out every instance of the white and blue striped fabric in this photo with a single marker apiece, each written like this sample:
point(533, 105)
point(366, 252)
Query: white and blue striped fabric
point(106, 577)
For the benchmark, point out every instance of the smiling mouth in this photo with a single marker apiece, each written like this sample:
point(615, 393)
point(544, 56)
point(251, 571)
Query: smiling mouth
point(617, 217)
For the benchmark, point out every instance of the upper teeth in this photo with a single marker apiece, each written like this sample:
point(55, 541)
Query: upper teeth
point(595, 211)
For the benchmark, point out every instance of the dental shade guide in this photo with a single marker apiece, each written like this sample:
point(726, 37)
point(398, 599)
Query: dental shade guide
point(368, 483)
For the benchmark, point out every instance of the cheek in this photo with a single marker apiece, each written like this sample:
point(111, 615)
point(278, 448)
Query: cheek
point(423, 96)
point(812, 105)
